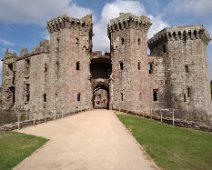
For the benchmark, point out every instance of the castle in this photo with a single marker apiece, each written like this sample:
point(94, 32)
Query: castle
point(64, 75)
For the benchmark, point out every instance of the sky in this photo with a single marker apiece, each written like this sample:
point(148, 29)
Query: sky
point(23, 22)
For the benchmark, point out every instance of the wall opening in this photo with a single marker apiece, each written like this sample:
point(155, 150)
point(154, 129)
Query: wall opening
point(10, 66)
point(140, 96)
point(77, 41)
point(57, 69)
point(155, 95)
point(101, 97)
point(122, 97)
point(78, 65)
point(150, 67)
point(139, 65)
point(139, 41)
point(164, 48)
point(189, 92)
point(44, 97)
point(78, 96)
point(186, 69)
point(122, 41)
point(121, 65)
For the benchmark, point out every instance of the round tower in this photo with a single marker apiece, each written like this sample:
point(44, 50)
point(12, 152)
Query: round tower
point(129, 82)
point(70, 49)
point(185, 59)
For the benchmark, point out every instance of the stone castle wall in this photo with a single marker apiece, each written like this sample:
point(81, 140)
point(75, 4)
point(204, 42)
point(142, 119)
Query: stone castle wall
point(56, 76)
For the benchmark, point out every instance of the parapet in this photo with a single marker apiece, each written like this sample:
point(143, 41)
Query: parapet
point(9, 57)
point(43, 47)
point(99, 55)
point(188, 32)
point(128, 20)
point(61, 22)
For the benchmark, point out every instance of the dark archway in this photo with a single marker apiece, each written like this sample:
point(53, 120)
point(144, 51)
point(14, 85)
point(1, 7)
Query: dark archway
point(101, 97)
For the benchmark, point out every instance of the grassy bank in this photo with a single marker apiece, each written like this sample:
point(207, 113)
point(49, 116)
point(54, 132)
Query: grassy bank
point(172, 148)
point(14, 147)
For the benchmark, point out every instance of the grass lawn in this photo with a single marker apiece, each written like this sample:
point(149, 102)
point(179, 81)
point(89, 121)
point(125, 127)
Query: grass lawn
point(14, 147)
point(172, 148)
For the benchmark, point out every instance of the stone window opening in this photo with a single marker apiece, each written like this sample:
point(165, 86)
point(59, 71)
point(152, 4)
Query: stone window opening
point(122, 97)
point(122, 41)
point(164, 48)
point(121, 65)
point(44, 97)
point(150, 67)
point(155, 95)
point(10, 66)
point(58, 40)
point(140, 96)
point(184, 98)
point(58, 69)
point(27, 90)
point(139, 65)
point(78, 65)
point(139, 41)
point(77, 41)
point(78, 96)
point(27, 63)
point(45, 68)
point(186, 69)
point(189, 92)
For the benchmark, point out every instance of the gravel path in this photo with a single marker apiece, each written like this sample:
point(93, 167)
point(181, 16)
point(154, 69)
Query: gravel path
point(92, 140)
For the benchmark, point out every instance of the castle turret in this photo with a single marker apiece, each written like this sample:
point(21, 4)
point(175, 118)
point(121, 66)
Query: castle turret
point(128, 42)
point(70, 50)
point(185, 59)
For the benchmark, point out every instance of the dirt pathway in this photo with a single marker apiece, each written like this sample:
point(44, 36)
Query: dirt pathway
point(92, 140)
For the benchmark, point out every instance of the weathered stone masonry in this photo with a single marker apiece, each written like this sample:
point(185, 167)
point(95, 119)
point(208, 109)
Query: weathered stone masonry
point(64, 75)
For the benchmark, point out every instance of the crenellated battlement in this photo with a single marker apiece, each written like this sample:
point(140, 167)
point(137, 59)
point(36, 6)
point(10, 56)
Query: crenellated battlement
point(61, 22)
point(43, 47)
point(180, 33)
point(128, 20)
point(9, 57)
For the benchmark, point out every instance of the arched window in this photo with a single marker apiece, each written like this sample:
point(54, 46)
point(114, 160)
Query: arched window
point(189, 92)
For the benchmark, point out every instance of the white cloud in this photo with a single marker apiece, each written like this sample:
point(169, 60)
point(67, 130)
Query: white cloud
point(197, 7)
point(37, 12)
point(157, 25)
point(6, 42)
point(112, 10)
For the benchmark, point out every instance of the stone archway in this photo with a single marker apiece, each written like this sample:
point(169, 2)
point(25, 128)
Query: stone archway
point(101, 97)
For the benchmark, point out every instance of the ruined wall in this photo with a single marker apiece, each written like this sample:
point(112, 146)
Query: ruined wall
point(186, 70)
point(128, 38)
point(69, 84)
point(8, 80)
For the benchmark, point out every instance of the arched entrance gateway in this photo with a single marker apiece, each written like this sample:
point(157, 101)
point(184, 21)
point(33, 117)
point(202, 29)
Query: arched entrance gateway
point(101, 97)
point(100, 68)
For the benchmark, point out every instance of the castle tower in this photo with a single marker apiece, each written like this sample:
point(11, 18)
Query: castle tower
point(8, 80)
point(185, 62)
point(70, 49)
point(129, 87)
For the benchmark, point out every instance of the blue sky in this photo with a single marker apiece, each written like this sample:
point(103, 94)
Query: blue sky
point(23, 22)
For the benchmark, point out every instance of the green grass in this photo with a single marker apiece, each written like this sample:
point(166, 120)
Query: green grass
point(14, 147)
point(172, 148)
